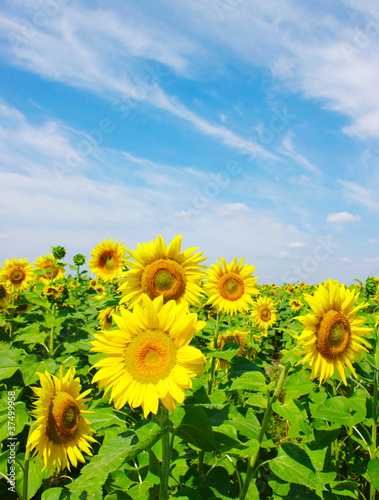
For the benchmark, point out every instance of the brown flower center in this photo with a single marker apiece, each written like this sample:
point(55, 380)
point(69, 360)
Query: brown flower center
point(64, 417)
point(231, 286)
point(164, 277)
point(17, 275)
point(109, 261)
point(265, 313)
point(333, 334)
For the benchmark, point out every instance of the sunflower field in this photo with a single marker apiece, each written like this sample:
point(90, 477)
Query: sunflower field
point(160, 377)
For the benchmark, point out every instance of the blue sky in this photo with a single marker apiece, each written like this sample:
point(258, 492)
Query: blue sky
point(249, 127)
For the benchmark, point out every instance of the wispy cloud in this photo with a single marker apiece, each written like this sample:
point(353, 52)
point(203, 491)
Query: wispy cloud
point(342, 218)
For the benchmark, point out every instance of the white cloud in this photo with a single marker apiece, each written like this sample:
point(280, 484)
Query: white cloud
point(373, 241)
point(283, 255)
point(342, 217)
point(363, 196)
point(297, 244)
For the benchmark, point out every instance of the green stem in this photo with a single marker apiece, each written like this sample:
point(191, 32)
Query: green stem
point(251, 464)
point(212, 375)
point(374, 413)
point(12, 315)
point(166, 452)
point(51, 344)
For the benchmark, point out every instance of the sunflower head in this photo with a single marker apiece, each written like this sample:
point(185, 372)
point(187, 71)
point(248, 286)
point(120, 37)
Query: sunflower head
point(108, 260)
point(295, 304)
point(46, 263)
point(17, 274)
point(149, 358)
point(230, 286)
point(62, 431)
point(332, 332)
point(105, 317)
point(160, 270)
point(237, 337)
point(263, 313)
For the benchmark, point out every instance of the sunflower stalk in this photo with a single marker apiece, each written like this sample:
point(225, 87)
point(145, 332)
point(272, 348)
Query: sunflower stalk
point(212, 375)
point(251, 469)
point(374, 412)
point(51, 343)
point(164, 422)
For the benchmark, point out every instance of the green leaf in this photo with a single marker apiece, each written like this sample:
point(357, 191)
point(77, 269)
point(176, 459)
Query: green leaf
point(35, 477)
point(196, 428)
point(373, 472)
point(11, 425)
point(31, 366)
point(341, 410)
point(9, 363)
point(228, 352)
point(55, 494)
point(297, 385)
point(115, 452)
point(252, 381)
point(294, 465)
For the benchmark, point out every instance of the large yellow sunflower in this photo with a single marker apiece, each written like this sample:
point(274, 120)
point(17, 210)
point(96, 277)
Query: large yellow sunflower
point(62, 429)
point(264, 314)
point(47, 262)
point(333, 332)
point(230, 286)
point(160, 270)
point(108, 260)
point(149, 357)
point(17, 273)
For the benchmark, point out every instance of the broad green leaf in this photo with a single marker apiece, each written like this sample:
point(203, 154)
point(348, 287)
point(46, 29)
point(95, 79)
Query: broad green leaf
point(252, 381)
point(297, 385)
point(115, 452)
point(341, 410)
point(227, 353)
point(9, 363)
point(11, 425)
point(373, 472)
point(55, 494)
point(31, 366)
point(294, 465)
point(196, 429)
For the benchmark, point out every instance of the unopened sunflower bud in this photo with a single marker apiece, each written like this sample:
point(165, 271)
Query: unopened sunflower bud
point(79, 259)
point(371, 286)
point(59, 252)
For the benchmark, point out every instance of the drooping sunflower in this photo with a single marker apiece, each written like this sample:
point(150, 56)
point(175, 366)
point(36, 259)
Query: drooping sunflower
point(62, 430)
point(149, 358)
point(5, 295)
point(46, 262)
point(108, 260)
point(160, 270)
point(333, 331)
point(295, 304)
point(263, 314)
point(238, 337)
point(17, 274)
point(230, 286)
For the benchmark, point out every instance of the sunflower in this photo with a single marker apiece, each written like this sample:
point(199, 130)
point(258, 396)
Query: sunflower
point(108, 260)
point(17, 273)
point(295, 304)
point(230, 286)
point(5, 295)
point(62, 429)
point(167, 271)
point(46, 263)
point(149, 358)
point(264, 314)
point(105, 317)
point(333, 332)
point(238, 337)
